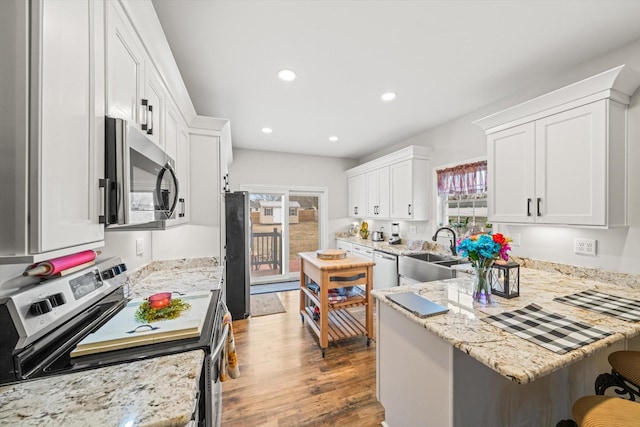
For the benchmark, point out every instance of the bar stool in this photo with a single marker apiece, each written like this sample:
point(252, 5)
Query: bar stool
point(625, 375)
point(599, 411)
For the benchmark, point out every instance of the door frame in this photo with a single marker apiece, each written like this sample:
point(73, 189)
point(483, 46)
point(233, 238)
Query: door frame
point(323, 221)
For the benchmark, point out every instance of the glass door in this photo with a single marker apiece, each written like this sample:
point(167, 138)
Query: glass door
point(304, 227)
point(284, 222)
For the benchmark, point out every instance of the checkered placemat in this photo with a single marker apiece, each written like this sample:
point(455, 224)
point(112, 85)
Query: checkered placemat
point(549, 330)
point(611, 305)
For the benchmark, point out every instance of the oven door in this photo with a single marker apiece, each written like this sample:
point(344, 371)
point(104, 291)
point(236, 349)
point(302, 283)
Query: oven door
point(214, 410)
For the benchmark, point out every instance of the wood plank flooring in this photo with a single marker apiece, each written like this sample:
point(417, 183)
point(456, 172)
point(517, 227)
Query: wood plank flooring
point(284, 381)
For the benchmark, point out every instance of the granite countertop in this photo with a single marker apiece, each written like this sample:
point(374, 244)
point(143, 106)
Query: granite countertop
point(515, 358)
point(155, 392)
point(399, 249)
point(184, 275)
point(158, 392)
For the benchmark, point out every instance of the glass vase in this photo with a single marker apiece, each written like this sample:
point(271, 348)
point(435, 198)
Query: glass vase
point(481, 286)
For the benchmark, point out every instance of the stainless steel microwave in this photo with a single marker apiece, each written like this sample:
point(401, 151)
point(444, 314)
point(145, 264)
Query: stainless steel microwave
point(140, 185)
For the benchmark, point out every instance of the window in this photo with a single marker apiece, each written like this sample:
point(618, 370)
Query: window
point(268, 211)
point(462, 197)
point(293, 211)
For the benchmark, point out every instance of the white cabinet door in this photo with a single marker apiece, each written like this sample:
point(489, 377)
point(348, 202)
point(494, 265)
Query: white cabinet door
point(124, 67)
point(183, 174)
point(571, 176)
point(410, 190)
point(377, 183)
point(68, 115)
point(153, 106)
point(510, 174)
point(357, 187)
point(401, 190)
point(345, 246)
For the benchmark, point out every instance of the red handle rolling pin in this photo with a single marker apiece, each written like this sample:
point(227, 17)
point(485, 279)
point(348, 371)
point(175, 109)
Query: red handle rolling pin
point(62, 264)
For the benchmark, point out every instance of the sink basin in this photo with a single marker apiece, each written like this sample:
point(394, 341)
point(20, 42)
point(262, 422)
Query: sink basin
point(449, 263)
point(427, 267)
point(428, 257)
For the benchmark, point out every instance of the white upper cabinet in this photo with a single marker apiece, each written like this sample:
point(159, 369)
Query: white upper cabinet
point(561, 158)
point(357, 188)
point(125, 62)
point(395, 186)
point(378, 193)
point(51, 205)
point(410, 189)
point(152, 111)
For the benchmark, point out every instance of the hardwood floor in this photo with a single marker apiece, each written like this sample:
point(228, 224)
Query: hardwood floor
point(284, 381)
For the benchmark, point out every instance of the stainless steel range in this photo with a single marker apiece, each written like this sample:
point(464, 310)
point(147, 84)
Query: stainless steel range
point(84, 321)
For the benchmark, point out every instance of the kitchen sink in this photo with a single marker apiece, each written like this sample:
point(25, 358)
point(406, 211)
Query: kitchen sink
point(427, 267)
point(428, 257)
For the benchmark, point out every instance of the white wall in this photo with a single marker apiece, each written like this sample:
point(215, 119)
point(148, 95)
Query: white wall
point(458, 140)
point(253, 167)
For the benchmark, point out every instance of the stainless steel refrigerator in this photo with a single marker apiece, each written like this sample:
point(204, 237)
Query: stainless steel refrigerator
point(237, 253)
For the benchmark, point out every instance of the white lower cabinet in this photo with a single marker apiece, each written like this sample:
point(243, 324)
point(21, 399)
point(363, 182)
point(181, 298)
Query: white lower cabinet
point(57, 166)
point(345, 246)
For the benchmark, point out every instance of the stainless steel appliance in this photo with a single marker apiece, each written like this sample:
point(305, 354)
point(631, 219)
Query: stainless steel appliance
point(377, 236)
point(385, 271)
point(140, 185)
point(45, 329)
point(238, 252)
point(395, 234)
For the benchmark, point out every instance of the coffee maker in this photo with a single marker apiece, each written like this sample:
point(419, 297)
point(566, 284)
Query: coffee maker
point(395, 237)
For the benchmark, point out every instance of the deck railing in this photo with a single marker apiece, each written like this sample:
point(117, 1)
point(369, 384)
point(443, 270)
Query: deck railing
point(267, 250)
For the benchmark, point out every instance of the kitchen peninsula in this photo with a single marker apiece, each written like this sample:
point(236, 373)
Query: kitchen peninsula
point(458, 370)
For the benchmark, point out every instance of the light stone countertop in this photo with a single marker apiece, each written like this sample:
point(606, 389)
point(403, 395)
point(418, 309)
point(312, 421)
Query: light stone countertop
point(184, 275)
point(399, 249)
point(515, 358)
point(155, 392)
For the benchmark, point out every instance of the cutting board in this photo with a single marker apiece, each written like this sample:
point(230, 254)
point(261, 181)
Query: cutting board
point(331, 254)
point(113, 334)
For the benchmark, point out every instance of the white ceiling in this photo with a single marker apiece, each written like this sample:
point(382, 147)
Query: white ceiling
point(444, 59)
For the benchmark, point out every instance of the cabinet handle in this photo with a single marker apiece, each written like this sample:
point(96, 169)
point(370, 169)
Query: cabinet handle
point(539, 200)
point(528, 207)
point(182, 208)
point(355, 210)
point(409, 209)
point(145, 105)
point(150, 129)
point(104, 185)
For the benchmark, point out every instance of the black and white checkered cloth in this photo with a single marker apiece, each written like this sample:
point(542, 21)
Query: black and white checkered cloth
point(549, 330)
point(611, 305)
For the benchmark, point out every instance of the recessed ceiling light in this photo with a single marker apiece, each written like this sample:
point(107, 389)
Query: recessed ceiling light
point(333, 138)
point(388, 96)
point(287, 75)
point(267, 130)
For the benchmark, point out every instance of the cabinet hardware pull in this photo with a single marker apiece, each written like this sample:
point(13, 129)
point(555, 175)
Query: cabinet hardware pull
point(150, 129)
point(538, 202)
point(347, 279)
point(182, 208)
point(409, 209)
point(145, 104)
point(528, 207)
point(104, 185)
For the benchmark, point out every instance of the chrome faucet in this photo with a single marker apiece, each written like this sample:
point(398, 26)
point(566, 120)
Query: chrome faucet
point(453, 242)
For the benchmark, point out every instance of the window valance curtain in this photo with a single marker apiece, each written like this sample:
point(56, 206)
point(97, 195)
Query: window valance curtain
point(470, 178)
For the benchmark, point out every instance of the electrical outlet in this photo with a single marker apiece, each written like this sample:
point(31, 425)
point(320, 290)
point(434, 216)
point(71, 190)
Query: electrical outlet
point(139, 247)
point(412, 229)
point(584, 246)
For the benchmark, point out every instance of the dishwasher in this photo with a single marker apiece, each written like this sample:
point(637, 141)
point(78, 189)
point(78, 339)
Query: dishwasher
point(385, 272)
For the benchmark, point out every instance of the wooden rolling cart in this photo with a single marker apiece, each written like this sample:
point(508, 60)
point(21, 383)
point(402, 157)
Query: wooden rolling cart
point(335, 322)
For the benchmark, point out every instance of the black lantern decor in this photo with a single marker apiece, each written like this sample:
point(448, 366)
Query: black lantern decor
point(505, 279)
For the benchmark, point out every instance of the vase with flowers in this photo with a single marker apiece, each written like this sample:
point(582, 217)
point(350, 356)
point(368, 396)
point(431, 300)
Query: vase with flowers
point(483, 250)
